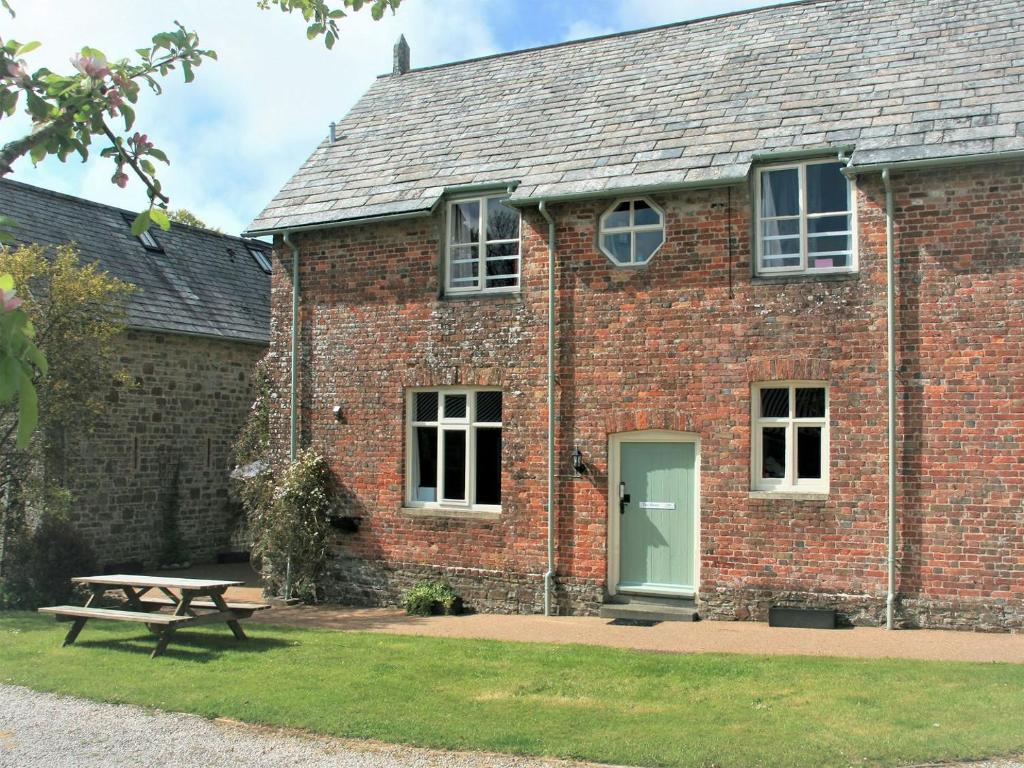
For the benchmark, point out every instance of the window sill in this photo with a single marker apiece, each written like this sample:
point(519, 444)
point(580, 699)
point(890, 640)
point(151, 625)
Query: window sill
point(512, 297)
point(807, 277)
point(790, 495)
point(450, 513)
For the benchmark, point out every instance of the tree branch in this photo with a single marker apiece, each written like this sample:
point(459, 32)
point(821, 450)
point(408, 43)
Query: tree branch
point(18, 148)
point(153, 191)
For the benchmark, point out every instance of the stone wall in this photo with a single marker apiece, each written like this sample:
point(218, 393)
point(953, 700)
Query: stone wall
point(676, 345)
point(168, 434)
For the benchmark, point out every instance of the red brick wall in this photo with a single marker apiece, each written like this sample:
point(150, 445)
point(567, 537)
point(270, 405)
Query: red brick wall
point(677, 345)
point(960, 239)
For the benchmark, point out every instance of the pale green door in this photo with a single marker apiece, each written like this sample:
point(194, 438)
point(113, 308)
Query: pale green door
point(657, 524)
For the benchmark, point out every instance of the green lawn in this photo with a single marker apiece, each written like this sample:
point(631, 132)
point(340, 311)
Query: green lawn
point(599, 704)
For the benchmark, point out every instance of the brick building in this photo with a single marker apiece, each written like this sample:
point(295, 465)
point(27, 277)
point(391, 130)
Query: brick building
point(197, 324)
point(716, 229)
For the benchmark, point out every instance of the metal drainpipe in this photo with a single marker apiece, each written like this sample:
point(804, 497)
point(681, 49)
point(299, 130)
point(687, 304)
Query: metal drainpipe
point(890, 315)
point(549, 576)
point(293, 438)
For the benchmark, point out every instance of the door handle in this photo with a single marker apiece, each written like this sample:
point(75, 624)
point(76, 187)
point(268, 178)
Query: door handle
point(623, 498)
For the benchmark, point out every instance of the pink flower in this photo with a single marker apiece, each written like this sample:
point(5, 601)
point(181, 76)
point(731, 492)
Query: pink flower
point(141, 143)
point(8, 301)
point(120, 178)
point(114, 101)
point(92, 66)
point(17, 71)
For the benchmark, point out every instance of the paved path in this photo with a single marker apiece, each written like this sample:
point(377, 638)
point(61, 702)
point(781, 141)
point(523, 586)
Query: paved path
point(676, 637)
point(41, 730)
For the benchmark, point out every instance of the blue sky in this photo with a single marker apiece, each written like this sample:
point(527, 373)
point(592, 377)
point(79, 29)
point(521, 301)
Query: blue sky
point(250, 119)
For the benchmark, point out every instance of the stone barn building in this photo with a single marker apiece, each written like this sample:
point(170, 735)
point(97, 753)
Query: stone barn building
point(709, 318)
point(197, 324)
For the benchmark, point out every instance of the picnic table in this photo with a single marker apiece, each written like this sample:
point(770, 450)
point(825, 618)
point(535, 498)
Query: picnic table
point(194, 601)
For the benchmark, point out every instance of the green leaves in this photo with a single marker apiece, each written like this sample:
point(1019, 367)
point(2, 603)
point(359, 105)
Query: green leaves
point(20, 359)
point(141, 223)
point(322, 18)
point(156, 216)
point(159, 217)
point(27, 48)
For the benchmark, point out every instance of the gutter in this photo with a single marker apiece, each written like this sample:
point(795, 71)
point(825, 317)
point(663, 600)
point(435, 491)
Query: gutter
point(420, 213)
point(642, 189)
point(549, 575)
point(293, 398)
point(890, 354)
point(936, 162)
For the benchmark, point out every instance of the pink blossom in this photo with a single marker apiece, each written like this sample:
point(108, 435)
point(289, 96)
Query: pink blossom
point(114, 101)
point(121, 179)
point(141, 143)
point(92, 66)
point(8, 301)
point(17, 71)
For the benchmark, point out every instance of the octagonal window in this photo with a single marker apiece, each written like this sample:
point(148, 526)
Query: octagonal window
point(632, 231)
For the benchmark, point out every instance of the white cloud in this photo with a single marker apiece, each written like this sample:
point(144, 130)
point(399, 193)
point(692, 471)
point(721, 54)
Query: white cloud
point(237, 133)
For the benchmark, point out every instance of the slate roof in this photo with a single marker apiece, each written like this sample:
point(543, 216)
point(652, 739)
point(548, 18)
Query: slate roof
point(689, 103)
point(203, 283)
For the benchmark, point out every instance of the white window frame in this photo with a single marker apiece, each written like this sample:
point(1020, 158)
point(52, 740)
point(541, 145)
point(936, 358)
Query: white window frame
point(467, 424)
point(481, 244)
point(804, 216)
point(789, 483)
point(631, 229)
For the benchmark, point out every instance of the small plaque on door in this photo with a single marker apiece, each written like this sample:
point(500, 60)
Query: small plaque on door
point(657, 505)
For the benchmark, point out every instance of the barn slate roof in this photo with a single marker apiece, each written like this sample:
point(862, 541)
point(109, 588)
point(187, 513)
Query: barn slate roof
point(692, 103)
point(202, 283)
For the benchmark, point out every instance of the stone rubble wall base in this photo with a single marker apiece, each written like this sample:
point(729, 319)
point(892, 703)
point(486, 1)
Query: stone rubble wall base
point(356, 582)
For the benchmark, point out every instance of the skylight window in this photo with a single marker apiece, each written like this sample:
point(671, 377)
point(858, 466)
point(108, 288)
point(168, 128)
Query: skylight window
point(149, 242)
point(261, 259)
point(147, 238)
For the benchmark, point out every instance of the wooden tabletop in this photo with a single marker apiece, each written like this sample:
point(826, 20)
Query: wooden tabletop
point(155, 582)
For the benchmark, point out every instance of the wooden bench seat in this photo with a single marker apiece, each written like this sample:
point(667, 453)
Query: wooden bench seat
point(80, 612)
point(205, 602)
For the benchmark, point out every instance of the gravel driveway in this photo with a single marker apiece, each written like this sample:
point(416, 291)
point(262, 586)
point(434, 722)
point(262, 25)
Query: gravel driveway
point(41, 730)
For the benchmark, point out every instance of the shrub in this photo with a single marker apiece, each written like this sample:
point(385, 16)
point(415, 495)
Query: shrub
point(39, 563)
point(293, 523)
point(430, 597)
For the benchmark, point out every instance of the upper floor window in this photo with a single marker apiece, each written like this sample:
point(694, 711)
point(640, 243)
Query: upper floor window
point(482, 249)
point(805, 219)
point(790, 437)
point(632, 231)
point(454, 449)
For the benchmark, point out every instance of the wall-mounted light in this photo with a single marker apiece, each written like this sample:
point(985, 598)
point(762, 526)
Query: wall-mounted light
point(336, 410)
point(577, 462)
